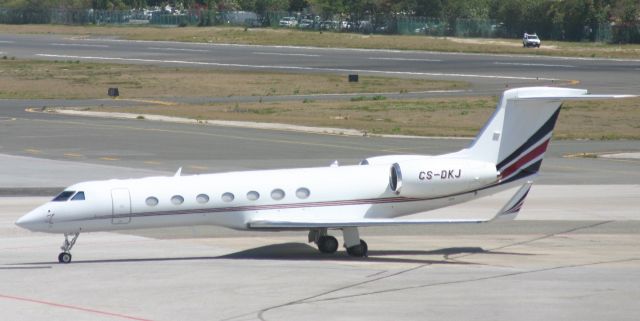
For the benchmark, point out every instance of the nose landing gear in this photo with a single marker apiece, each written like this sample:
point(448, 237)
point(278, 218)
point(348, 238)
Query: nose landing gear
point(65, 256)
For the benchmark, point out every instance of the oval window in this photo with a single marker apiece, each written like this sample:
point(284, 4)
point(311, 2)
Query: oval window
point(253, 195)
point(202, 198)
point(151, 201)
point(227, 197)
point(277, 194)
point(303, 192)
point(177, 200)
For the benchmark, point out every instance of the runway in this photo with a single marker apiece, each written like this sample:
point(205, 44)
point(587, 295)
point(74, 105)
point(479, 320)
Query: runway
point(488, 74)
point(572, 254)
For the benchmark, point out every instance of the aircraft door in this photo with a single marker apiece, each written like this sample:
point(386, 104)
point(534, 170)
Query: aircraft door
point(121, 201)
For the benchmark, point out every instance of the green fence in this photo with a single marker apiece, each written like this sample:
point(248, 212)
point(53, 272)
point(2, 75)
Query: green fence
point(377, 24)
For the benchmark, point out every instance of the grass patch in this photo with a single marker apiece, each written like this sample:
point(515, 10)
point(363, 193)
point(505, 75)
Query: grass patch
point(27, 79)
point(613, 119)
point(238, 35)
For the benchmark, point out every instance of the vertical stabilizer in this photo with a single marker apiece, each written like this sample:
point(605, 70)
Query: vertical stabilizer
point(517, 135)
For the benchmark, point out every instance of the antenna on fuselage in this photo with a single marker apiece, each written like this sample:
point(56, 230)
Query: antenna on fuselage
point(178, 172)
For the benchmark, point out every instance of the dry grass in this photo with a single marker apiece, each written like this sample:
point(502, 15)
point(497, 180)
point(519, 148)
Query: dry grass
point(330, 39)
point(619, 119)
point(73, 80)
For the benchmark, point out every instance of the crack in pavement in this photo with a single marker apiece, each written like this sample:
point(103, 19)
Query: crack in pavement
point(474, 279)
point(454, 257)
point(313, 298)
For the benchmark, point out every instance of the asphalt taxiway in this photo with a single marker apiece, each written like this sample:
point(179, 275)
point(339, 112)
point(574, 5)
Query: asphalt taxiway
point(487, 73)
point(525, 270)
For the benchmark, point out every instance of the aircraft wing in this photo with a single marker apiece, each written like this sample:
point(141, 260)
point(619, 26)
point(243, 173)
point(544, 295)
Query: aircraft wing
point(508, 212)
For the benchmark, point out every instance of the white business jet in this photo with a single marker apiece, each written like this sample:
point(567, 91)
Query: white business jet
point(506, 153)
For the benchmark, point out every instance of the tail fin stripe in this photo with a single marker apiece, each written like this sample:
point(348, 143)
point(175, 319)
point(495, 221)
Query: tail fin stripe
point(544, 140)
point(535, 138)
point(528, 171)
point(535, 153)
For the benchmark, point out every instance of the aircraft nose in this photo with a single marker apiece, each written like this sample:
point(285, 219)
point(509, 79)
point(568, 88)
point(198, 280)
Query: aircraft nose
point(33, 220)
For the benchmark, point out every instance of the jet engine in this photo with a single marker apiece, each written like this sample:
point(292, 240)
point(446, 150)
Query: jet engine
point(440, 177)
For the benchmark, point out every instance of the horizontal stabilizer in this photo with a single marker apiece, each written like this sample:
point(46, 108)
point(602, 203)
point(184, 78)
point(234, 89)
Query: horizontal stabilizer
point(572, 97)
point(510, 210)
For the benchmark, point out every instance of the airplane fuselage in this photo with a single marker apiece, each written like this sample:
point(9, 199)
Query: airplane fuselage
point(235, 198)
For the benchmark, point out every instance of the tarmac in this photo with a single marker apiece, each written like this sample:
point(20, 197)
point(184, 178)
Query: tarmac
point(538, 268)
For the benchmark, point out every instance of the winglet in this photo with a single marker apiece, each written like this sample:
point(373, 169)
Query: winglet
point(510, 210)
point(178, 172)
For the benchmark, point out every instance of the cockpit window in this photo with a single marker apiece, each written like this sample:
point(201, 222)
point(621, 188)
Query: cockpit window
point(64, 196)
point(78, 197)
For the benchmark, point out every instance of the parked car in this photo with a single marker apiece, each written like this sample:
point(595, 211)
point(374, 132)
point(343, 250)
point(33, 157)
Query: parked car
point(530, 40)
point(288, 22)
point(305, 24)
point(329, 25)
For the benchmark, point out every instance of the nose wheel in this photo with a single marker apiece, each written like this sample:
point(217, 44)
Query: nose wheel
point(64, 257)
point(67, 245)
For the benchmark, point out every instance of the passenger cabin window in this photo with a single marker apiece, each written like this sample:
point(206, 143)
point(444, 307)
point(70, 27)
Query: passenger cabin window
point(277, 194)
point(78, 197)
point(177, 200)
point(62, 197)
point(227, 197)
point(303, 193)
point(253, 195)
point(152, 201)
point(202, 198)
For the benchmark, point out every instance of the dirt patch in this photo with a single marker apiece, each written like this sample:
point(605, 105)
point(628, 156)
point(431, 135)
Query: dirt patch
point(76, 79)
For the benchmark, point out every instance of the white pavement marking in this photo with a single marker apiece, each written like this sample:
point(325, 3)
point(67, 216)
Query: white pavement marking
point(243, 124)
point(383, 93)
point(283, 54)
point(78, 45)
point(629, 155)
point(440, 53)
point(178, 49)
point(7, 41)
point(404, 59)
point(532, 65)
point(384, 72)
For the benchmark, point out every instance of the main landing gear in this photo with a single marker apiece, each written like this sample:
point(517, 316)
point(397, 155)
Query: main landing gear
point(328, 244)
point(65, 256)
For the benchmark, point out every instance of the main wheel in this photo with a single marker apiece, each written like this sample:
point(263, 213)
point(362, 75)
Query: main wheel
point(360, 250)
point(327, 244)
point(64, 257)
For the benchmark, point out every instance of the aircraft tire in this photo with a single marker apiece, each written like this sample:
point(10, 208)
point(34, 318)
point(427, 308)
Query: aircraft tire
point(64, 257)
point(359, 250)
point(327, 244)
